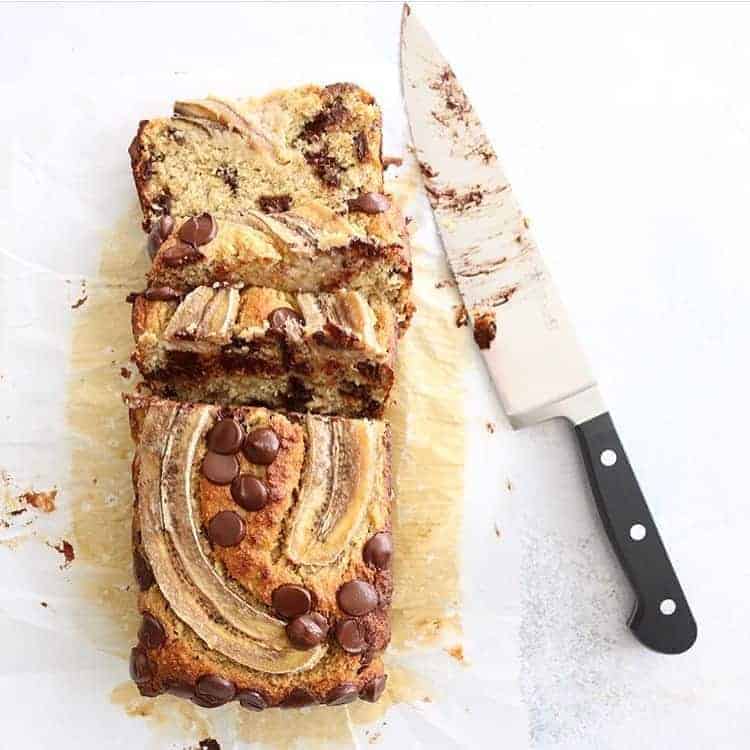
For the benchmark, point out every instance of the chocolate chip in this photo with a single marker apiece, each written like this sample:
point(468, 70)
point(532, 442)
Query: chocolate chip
point(214, 690)
point(379, 550)
point(142, 571)
point(307, 631)
point(180, 254)
point(150, 691)
point(151, 634)
point(225, 437)
point(252, 699)
point(198, 230)
point(373, 689)
point(160, 231)
point(342, 694)
point(370, 203)
point(220, 469)
point(274, 204)
point(349, 636)
point(226, 529)
point(261, 446)
point(291, 601)
point(161, 294)
point(360, 146)
point(141, 670)
point(298, 698)
point(249, 492)
point(357, 597)
point(282, 317)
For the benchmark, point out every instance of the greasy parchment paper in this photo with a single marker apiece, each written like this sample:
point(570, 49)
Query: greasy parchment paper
point(68, 325)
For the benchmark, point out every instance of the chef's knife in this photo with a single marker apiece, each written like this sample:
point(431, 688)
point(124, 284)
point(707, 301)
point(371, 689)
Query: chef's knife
point(521, 327)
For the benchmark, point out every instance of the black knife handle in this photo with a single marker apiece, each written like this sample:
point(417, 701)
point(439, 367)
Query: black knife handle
point(661, 619)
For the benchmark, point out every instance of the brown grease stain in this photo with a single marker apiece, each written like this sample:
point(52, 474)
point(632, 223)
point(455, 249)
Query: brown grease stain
point(428, 450)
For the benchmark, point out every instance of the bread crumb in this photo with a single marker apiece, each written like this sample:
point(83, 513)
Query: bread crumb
point(462, 316)
point(44, 501)
point(457, 652)
point(497, 530)
point(65, 548)
point(490, 427)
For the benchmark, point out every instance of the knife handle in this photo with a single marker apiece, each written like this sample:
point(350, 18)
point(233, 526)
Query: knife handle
point(661, 619)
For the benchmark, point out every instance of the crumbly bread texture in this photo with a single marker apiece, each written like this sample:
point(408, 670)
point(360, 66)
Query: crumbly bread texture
point(229, 157)
point(307, 249)
point(328, 353)
point(262, 551)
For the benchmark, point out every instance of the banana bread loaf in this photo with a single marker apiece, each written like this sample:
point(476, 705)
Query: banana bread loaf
point(329, 353)
point(229, 157)
point(262, 551)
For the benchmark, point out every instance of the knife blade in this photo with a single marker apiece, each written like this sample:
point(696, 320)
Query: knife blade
point(519, 323)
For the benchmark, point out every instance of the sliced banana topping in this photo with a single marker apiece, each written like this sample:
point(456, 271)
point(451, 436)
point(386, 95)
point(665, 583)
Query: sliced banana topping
point(203, 320)
point(336, 488)
point(170, 528)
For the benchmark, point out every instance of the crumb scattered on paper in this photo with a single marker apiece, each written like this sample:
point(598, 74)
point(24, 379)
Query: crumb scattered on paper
point(509, 485)
point(456, 652)
point(65, 548)
point(444, 283)
point(490, 427)
point(82, 297)
point(43, 501)
point(209, 744)
point(44, 604)
point(497, 530)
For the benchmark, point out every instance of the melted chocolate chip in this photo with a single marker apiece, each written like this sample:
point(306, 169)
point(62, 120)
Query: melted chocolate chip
point(261, 446)
point(161, 294)
point(327, 169)
point(275, 204)
point(225, 437)
point(369, 203)
point(379, 550)
point(249, 492)
point(180, 254)
point(349, 636)
point(141, 670)
point(214, 690)
point(151, 634)
point(291, 601)
point(307, 631)
point(373, 689)
point(298, 698)
point(331, 115)
point(142, 571)
point(360, 146)
point(219, 468)
point(280, 318)
point(357, 597)
point(160, 231)
point(342, 694)
point(198, 230)
point(226, 529)
point(252, 700)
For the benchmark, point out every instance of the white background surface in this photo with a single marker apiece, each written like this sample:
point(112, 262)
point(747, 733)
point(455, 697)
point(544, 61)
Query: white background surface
point(625, 132)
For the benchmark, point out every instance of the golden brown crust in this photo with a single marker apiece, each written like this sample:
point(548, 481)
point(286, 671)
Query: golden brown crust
point(262, 560)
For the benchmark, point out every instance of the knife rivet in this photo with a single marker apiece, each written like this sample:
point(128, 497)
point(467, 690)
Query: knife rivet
point(608, 457)
point(637, 532)
point(668, 607)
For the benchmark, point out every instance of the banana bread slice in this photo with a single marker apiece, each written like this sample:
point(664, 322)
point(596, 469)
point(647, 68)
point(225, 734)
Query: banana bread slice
point(262, 551)
point(329, 353)
point(229, 157)
point(307, 249)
